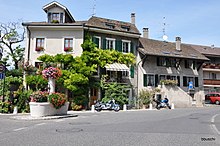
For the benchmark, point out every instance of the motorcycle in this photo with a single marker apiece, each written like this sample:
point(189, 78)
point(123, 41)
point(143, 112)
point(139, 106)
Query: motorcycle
point(162, 104)
point(110, 105)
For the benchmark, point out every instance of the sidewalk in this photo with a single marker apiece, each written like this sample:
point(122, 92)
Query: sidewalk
point(70, 114)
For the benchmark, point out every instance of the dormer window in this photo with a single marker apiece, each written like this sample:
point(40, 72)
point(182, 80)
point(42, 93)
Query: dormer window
point(110, 25)
point(55, 17)
point(126, 28)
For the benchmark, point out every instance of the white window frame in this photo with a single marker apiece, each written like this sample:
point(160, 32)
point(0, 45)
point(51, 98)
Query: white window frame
point(63, 44)
point(110, 39)
point(129, 46)
point(99, 40)
point(35, 43)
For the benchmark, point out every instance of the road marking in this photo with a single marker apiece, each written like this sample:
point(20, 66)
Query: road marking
point(19, 129)
point(213, 125)
point(40, 124)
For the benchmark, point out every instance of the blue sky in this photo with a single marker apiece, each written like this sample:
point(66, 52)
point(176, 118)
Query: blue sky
point(195, 21)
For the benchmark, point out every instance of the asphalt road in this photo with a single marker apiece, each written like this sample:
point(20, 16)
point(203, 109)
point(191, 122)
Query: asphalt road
point(185, 127)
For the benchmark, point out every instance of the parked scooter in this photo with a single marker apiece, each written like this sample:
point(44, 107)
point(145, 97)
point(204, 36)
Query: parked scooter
point(162, 104)
point(110, 105)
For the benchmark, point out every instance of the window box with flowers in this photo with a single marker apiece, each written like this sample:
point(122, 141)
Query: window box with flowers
point(68, 49)
point(45, 104)
point(38, 49)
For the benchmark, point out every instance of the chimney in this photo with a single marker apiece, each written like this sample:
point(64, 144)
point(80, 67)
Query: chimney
point(133, 18)
point(146, 33)
point(178, 43)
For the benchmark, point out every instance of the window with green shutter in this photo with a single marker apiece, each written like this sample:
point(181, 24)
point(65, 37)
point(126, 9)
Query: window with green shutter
point(132, 71)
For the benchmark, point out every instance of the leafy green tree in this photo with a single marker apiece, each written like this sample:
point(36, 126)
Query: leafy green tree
point(9, 41)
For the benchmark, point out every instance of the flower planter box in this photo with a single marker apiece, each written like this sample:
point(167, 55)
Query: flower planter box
point(41, 109)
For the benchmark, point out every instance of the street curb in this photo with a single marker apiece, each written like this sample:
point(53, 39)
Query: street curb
point(28, 117)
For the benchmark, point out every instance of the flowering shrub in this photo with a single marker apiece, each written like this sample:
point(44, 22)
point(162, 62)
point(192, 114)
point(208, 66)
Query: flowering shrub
point(39, 96)
point(57, 99)
point(51, 72)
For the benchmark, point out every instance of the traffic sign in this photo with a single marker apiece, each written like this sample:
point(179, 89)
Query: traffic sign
point(2, 76)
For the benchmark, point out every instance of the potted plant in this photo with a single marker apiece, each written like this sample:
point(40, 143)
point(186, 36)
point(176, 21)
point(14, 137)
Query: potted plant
point(146, 97)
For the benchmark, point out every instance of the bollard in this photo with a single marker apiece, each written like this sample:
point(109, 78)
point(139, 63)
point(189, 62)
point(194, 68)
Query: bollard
point(15, 111)
point(150, 106)
point(93, 108)
point(172, 106)
point(124, 107)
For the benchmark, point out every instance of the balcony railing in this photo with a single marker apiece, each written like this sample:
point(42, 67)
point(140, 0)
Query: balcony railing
point(211, 82)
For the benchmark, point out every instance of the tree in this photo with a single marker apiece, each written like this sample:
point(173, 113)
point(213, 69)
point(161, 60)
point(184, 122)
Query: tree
point(9, 38)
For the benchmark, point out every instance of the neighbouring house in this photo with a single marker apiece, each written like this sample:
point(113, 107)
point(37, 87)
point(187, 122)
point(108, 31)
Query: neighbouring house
point(61, 33)
point(211, 68)
point(160, 61)
point(120, 36)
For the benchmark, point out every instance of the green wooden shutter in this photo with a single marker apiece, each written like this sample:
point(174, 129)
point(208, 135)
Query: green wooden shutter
point(158, 61)
point(156, 80)
point(118, 46)
point(194, 64)
point(132, 71)
point(132, 48)
point(61, 17)
point(49, 17)
point(178, 80)
point(104, 43)
point(184, 81)
point(145, 80)
point(196, 82)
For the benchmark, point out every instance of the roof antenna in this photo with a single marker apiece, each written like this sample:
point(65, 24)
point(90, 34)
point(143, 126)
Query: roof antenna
point(165, 37)
point(94, 8)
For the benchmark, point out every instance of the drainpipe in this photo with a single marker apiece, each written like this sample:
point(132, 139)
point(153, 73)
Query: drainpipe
point(28, 55)
point(29, 43)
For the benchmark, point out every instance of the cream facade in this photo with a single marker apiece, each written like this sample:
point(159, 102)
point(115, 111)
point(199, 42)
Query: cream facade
point(53, 41)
